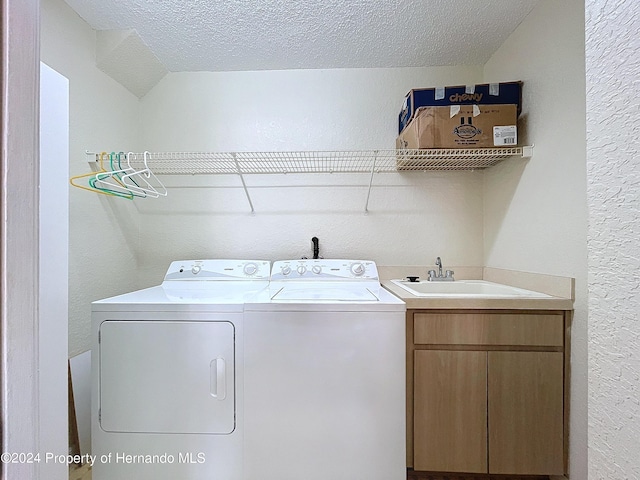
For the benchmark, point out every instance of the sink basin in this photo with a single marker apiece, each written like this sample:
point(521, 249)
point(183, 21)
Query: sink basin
point(466, 289)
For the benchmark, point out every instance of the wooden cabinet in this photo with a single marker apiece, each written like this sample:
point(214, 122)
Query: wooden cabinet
point(525, 412)
point(487, 391)
point(450, 415)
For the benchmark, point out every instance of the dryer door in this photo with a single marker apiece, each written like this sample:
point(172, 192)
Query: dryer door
point(167, 377)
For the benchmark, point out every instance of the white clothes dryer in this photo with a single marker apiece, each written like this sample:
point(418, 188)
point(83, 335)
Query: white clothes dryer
point(325, 375)
point(167, 368)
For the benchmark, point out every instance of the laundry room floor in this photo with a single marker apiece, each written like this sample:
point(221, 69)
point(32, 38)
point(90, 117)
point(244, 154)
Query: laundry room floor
point(412, 475)
point(80, 473)
point(84, 473)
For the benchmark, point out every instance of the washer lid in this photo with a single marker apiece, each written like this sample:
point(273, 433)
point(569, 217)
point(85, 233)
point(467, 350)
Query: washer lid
point(334, 293)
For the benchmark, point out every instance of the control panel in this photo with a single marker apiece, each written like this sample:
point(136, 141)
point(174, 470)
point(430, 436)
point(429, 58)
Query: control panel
point(204, 270)
point(324, 269)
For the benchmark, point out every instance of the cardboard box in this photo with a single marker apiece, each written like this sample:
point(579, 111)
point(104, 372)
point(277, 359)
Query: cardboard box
point(461, 126)
point(482, 94)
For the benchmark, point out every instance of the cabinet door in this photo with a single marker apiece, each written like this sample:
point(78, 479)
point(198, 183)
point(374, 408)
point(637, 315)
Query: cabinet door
point(450, 411)
point(526, 413)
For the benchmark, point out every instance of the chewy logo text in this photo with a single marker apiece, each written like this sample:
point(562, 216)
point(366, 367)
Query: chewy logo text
point(465, 97)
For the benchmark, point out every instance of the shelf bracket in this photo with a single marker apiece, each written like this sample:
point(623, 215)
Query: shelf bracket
point(244, 185)
point(373, 170)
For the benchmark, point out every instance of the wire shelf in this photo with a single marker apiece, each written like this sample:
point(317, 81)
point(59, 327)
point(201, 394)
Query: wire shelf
point(367, 161)
point(363, 161)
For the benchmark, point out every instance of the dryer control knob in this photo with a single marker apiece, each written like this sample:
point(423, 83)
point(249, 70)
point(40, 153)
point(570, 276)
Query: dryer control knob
point(316, 269)
point(301, 269)
point(286, 270)
point(250, 269)
point(357, 269)
point(196, 269)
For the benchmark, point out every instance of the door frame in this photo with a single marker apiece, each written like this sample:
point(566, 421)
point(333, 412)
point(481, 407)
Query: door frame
point(19, 228)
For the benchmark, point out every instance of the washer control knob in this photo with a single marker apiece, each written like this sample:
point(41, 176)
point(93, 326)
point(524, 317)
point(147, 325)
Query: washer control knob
point(301, 269)
point(357, 269)
point(286, 270)
point(316, 269)
point(196, 269)
point(250, 268)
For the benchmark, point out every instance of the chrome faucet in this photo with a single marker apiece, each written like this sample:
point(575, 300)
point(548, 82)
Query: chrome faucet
point(447, 277)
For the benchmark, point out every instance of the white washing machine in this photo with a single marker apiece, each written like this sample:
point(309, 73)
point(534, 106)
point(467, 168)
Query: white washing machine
point(325, 375)
point(167, 388)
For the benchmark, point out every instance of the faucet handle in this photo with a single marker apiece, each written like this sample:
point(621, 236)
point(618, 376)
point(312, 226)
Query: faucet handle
point(432, 274)
point(449, 273)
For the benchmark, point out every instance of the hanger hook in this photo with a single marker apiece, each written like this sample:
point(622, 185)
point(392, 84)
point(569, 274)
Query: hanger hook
point(145, 157)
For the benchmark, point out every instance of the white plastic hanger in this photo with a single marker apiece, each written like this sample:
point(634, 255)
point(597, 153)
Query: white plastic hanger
point(138, 180)
point(102, 178)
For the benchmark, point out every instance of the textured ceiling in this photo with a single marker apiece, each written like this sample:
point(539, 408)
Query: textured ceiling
point(217, 35)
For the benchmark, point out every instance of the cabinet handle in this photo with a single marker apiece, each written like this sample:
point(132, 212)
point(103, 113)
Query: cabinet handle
point(218, 386)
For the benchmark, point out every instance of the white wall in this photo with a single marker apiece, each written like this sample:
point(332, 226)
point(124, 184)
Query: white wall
point(613, 143)
point(412, 219)
point(103, 115)
point(339, 109)
point(54, 265)
point(535, 210)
